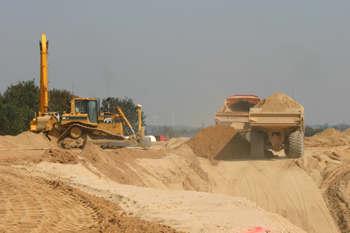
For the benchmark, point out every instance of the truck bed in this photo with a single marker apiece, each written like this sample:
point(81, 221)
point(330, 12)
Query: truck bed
point(241, 117)
point(291, 117)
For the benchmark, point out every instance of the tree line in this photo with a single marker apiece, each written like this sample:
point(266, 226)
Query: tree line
point(20, 102)
point(170, 132)
point(312, 130)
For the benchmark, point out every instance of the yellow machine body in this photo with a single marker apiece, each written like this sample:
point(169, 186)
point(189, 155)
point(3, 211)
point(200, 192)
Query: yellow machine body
point(84, 111)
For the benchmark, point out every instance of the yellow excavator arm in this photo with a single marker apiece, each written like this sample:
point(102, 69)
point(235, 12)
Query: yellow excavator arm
point(44, 91)
point(40, 123)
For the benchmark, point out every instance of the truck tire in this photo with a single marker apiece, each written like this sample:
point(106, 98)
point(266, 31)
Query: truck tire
point(296, 144)
point(257, 145)
point(247, 136)
point(286, 151)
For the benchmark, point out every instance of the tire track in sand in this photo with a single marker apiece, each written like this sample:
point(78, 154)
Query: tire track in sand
point(34, 205)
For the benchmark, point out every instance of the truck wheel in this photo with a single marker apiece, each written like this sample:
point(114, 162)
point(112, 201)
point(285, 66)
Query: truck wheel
point(286, 151)
point(247, 136)
point(257, 145)
point(296, 144)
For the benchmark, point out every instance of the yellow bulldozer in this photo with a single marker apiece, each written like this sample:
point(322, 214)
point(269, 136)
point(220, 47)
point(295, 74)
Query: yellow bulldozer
point(83, 121)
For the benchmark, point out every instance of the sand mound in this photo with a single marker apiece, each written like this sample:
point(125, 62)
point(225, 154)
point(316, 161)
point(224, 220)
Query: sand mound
point(60, 155)
point(277, 103)
point(328, 137)
point(342, 154)
point(219, 142)
point(115, 164)
point(174, 143)
point(329, 133)
point(25, 139)
point(346, 132)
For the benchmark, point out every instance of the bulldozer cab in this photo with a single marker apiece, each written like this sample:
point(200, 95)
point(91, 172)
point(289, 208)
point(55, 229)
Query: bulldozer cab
point(82, 110)
point(87, 107)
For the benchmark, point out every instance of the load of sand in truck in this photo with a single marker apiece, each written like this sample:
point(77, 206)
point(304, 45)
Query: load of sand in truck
point(277, 122)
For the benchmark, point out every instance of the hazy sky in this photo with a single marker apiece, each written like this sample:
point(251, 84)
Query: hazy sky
point(185, 56)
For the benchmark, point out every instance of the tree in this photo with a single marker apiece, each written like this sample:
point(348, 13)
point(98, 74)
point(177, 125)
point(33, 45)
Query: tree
point(169, 133)
point(17, 107)
point(128, 107)
point(309, 131)
point(24, 93)
point(319, 130)
point(58, 100)
point(12, 119)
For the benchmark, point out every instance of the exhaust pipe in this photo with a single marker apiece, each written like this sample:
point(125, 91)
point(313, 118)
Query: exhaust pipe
point(108, 104)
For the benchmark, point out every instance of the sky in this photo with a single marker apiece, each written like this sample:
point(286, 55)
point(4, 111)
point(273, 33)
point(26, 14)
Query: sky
point(186, 56)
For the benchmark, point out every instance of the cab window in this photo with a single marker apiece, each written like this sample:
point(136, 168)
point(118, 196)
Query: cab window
point(80, 107)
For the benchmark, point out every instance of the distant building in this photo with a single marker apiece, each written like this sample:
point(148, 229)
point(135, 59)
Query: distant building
point(160, 138)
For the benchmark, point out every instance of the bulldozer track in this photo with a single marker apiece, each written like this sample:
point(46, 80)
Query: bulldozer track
point(36, 205)
point(89, 131)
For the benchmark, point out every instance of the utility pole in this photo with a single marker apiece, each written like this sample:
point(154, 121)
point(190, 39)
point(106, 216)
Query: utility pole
point(155, 120)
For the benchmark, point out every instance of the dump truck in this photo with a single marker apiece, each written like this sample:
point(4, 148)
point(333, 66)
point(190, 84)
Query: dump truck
point(277, 131)
point(83, 121)
point(235, 112)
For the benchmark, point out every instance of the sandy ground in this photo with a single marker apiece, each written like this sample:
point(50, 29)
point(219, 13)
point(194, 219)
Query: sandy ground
point(169, 188)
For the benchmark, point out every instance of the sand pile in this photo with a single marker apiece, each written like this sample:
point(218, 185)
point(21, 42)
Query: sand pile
point(25, 139)
point(174, 143)
point(219, 142)
point(277, 102)
point(346, 132)
point(329, 133)
point(60, 155)
point(169, 169)
point(328, 137)
point(116, 164)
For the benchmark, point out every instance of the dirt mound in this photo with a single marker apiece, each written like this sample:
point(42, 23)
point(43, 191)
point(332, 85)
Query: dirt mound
point(219, 142)
point(115, 164)
point(60, 155)
point(25, 139)
point(146, 168)
point(336, 183)
point(346, 132)
point(330, 132)
point(328, 137)
point(174, 142)
point(342, 154)
point(331, 172)
point(277, 102)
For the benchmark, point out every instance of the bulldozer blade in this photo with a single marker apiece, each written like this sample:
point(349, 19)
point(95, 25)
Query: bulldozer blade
point(146, 142)
point(120, 144)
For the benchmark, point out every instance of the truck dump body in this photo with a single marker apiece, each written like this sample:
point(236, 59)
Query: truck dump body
point(291, 117)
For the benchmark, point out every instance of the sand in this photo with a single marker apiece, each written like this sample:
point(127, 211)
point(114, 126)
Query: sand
point(277, 102)
point(329, 133)
point(328, 137)
point(172, 187)
point(220, 142)
point(40, 205)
